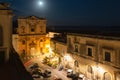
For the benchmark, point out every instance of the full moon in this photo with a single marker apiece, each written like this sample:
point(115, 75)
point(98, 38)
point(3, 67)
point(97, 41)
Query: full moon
point(40, 3)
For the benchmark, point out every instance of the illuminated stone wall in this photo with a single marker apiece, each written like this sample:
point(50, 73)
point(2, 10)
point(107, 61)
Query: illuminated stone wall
point(32, 38)
point(31, 25)
point(97, 56)
point(58, 47)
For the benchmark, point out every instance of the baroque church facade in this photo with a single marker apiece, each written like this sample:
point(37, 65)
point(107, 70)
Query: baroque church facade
point(31, 39)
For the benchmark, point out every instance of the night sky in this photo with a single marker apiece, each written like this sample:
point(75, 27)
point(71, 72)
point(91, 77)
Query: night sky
point(71, 12)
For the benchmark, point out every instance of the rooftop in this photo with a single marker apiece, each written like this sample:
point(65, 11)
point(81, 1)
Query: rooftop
point(100, 36)
point(31, 17)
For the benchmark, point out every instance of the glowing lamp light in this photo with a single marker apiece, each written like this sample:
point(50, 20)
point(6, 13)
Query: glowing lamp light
point(68, 57)
point(47, 46)
point(100, 70)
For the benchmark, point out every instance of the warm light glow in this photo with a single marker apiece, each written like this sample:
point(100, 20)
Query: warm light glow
point(33, 51)
point(50, 50)
point(100, 70)
point(69, 70)
point(47, 46)
point(55, 59)
point(41, 44)
point(68, 57)
point(81, 75)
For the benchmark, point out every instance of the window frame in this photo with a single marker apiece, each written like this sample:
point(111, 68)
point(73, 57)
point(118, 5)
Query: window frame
point(93, 50)
point(107, 56)
point(76, 48)
point(110, 51)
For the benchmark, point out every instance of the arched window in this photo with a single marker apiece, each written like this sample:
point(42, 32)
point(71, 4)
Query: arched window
point(76, 63)
point(89, 69)
point(90, 72)
point(1, 36)
point(117, 75)
point(76, 48)
point(107, 76)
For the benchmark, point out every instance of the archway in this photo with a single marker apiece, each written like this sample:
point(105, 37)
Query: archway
point(33, 51)
point(76, 65)
point(118, 76)
point(32, 48)
point(89, 72)
point(107, 76)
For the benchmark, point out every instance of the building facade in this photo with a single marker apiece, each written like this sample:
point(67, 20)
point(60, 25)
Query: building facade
point(31, 39)
point(97, 57)
point(60, 48)
point(6, 16)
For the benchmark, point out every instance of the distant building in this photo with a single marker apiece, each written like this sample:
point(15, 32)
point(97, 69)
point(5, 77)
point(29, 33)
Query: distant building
point(31, 39)
point(53, 34)
point(96, 57)
point(6, 16)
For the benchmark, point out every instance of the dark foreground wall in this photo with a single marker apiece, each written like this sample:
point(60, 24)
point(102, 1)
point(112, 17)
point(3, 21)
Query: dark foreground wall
point(14, 69)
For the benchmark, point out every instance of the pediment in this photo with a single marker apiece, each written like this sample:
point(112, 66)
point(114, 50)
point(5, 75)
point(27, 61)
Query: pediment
point(4, 5)
point(33, 18)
